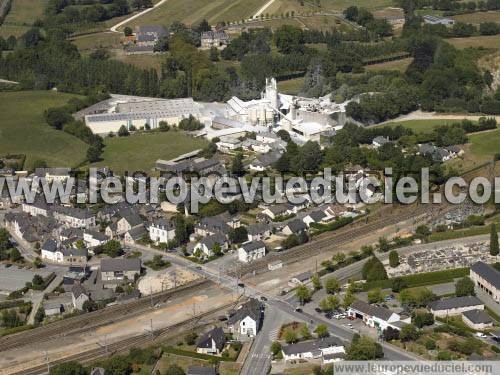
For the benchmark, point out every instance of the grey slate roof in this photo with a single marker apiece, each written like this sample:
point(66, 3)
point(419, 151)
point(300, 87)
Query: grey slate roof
point(216, 238)
point(477, 316)
point(252, 308)
point(50, 245)
point(253, 245)
point(487, 272)
point(97, 235)
point(259, 228)
point(296, 226)
point(372, 310)
point(217, 335)
point(74, 252)
point(313, 345)
point(137, 232)
point(112, 265)
point(78, 290)
point(452, 303)
point(317, 215)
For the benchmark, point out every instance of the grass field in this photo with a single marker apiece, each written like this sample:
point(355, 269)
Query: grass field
point(421, 126)
point(399, 65)
point(478, 17)
point(192, 12)
point(139, 152)
point(291, 86)
point(283, 6)
point(24, 131)
point(22, 14)
point(486, 41)
point(90, 42)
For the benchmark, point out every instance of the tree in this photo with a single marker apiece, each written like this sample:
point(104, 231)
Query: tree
point(348, 300)
point(303, 294)
point(422, 318)
point(423, 231)
point(304, 332)
point(375, 295)
point(237, 167)
point(112, 248)
point(288, 38)
point(322, 331)
point(398, 284)
point(408, 333)
point(15, 255)
point(127, 31)
point(163, 126)
point(284, 135)
point(214, 54)
point(374, 270)
point(123, 131)
point(464, 287)
point(393, 259)
point(332, 285)
point(275, 348)
point(89, 306)
point(329, 303)
point(316, 281)
point(94, 153)
point(494, 248)
point(37, 280)
point(40, 315)
point(290, 336)
point(363, 348)
point(68, 368)
point(391, 334)
point(238, 235)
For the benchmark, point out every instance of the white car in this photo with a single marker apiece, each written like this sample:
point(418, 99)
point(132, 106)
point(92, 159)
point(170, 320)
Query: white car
point(480, 334)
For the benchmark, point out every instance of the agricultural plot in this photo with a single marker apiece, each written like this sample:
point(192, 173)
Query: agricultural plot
point(21, 16)
point(478, 17)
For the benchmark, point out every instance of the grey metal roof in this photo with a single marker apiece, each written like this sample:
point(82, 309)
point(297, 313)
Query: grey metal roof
point(296, 225)
point(487, 272)
point(309, 346)
point(372, 310)
point(477, 316)
point(112, 265)
point(456, 302)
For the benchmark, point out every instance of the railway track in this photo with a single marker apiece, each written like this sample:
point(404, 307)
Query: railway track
point(331, 241)
point(77, 324)
point(123, 345)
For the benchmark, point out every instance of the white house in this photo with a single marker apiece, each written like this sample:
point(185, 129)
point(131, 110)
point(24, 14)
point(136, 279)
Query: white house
point(212, 342)
point(295, 226)
point(50, 251)
point(162, 231)
point(78, 296)
point(477, 319)
point(487, 279)
point(267, 137)
point(247, 320)
point(455, 306)
point(278, 210)
point(207, 244)
point(374, 316)
point(94, 239)
point(317, 216)
point(380, 141)
point(228, 144)
point(251, 250)
point(38, 207)
point(74, 217)
point(329, 348)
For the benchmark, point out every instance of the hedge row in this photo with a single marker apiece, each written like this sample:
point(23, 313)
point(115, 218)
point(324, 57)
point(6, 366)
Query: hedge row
point(421, 279)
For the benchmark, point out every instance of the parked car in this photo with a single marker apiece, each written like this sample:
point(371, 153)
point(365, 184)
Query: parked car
point(328, 315)
point(317, 309)
point(298, 309)
point(263, 299)
point(351, 317)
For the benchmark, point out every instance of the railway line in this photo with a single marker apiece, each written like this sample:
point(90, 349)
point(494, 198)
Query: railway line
point(329, 242)
point(77, 324)
point(123, 345)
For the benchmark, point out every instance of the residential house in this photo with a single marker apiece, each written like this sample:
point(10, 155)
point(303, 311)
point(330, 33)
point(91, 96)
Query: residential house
point(380, 141)
point(118, 270)
point(278, 210)
point(49, 251)
point(215, 224)
point(437, 154)
point(247, 320)
point(375, 316)
point(72, 255)
point(435, 20)
point(52, 309)
point(251, 250)
point(329, 348)
point(216, 39)
point(79, 296)
point(455, 306)
point(128, 221)
point(228, 144)
point(70, 234)
point(74, 217)
point(53, 174)
point(477, 319)
point(256, 146)
point(135, 234)
point(94, 238)
point(162, 231)
point(39, 207)
point(294, 226)
point(317, 216)
point(487, 279)
point(207, 244)
point(259, 232)
point(267, 137)
point(264, 161)
point(212, 342)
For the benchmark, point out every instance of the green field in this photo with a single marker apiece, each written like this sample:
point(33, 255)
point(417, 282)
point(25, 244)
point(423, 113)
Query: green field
point(140, 152)
point(291, 86)
point(478, 17)
point(90, 42)
point(421, 126)
point(399, 65)
point(192, 12)
point(24, 131)
point(485, 41)
point(284, 6)
point(22, 14)
point(485, 145)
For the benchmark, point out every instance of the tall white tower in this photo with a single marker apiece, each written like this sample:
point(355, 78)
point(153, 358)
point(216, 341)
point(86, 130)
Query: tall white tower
point(272, 93)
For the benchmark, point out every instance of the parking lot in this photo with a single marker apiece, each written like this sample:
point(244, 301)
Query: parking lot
point(14, 278)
